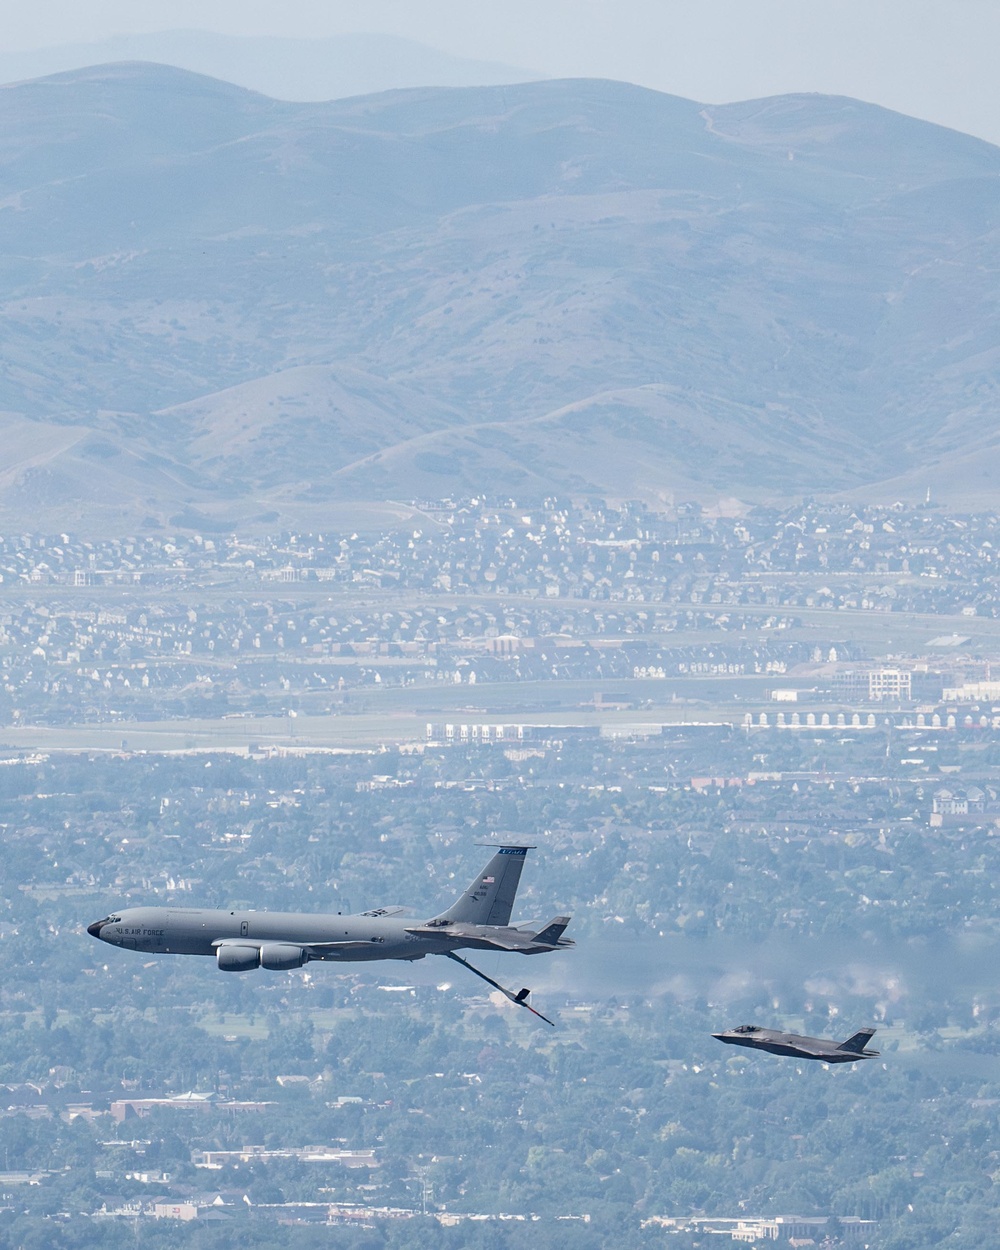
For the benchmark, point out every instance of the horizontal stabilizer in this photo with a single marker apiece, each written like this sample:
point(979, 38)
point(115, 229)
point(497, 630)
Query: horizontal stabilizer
point(490, 937)
point(480, 936)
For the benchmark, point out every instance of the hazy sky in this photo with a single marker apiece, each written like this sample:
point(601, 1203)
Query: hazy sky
point(935, 59)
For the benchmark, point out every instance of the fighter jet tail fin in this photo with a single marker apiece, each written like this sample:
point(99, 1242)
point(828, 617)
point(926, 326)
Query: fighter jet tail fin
point(553, 931)
point(490, 897)
point(856, 1044)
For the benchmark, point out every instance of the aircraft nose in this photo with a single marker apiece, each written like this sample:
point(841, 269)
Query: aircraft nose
point(95, 929)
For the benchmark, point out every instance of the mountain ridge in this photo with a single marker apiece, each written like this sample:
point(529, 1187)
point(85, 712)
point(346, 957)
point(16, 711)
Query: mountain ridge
point(335, 67)
point(555, 287)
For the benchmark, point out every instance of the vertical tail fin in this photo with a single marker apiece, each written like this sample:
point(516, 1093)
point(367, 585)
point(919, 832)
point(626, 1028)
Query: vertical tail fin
point(858, 1042)
point(551, 935)
point(490, 897)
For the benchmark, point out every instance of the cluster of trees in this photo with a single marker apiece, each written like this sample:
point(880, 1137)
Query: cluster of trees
point(625, 1113)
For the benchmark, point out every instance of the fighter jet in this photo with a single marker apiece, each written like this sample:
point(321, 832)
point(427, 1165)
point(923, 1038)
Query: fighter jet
point(821, 1048)
point(242, 940)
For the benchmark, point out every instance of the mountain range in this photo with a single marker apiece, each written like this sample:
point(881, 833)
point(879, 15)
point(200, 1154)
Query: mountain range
point(286, 68)
point(219, 308)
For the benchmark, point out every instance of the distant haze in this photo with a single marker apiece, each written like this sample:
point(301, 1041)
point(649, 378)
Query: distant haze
point(218, 302)
point(933, 59)
point(286, 69)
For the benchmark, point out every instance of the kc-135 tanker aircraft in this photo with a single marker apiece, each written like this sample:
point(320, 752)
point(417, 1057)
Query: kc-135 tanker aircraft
point(243, 940)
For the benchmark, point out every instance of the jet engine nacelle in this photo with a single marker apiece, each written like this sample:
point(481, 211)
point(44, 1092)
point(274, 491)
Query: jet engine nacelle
point(233, 958)
point(279, 956)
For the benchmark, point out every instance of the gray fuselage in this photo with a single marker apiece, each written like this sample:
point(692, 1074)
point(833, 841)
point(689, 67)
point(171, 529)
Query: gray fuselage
point(280, 941)
point(199, 931)
point(822, 1049)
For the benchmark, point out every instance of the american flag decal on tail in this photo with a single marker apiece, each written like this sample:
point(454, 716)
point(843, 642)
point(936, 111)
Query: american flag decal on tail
point(490, 897)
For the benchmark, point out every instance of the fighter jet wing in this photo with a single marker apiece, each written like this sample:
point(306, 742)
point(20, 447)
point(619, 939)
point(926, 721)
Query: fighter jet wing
point(811, 1052)
point(318, 949)
point(482, 937)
